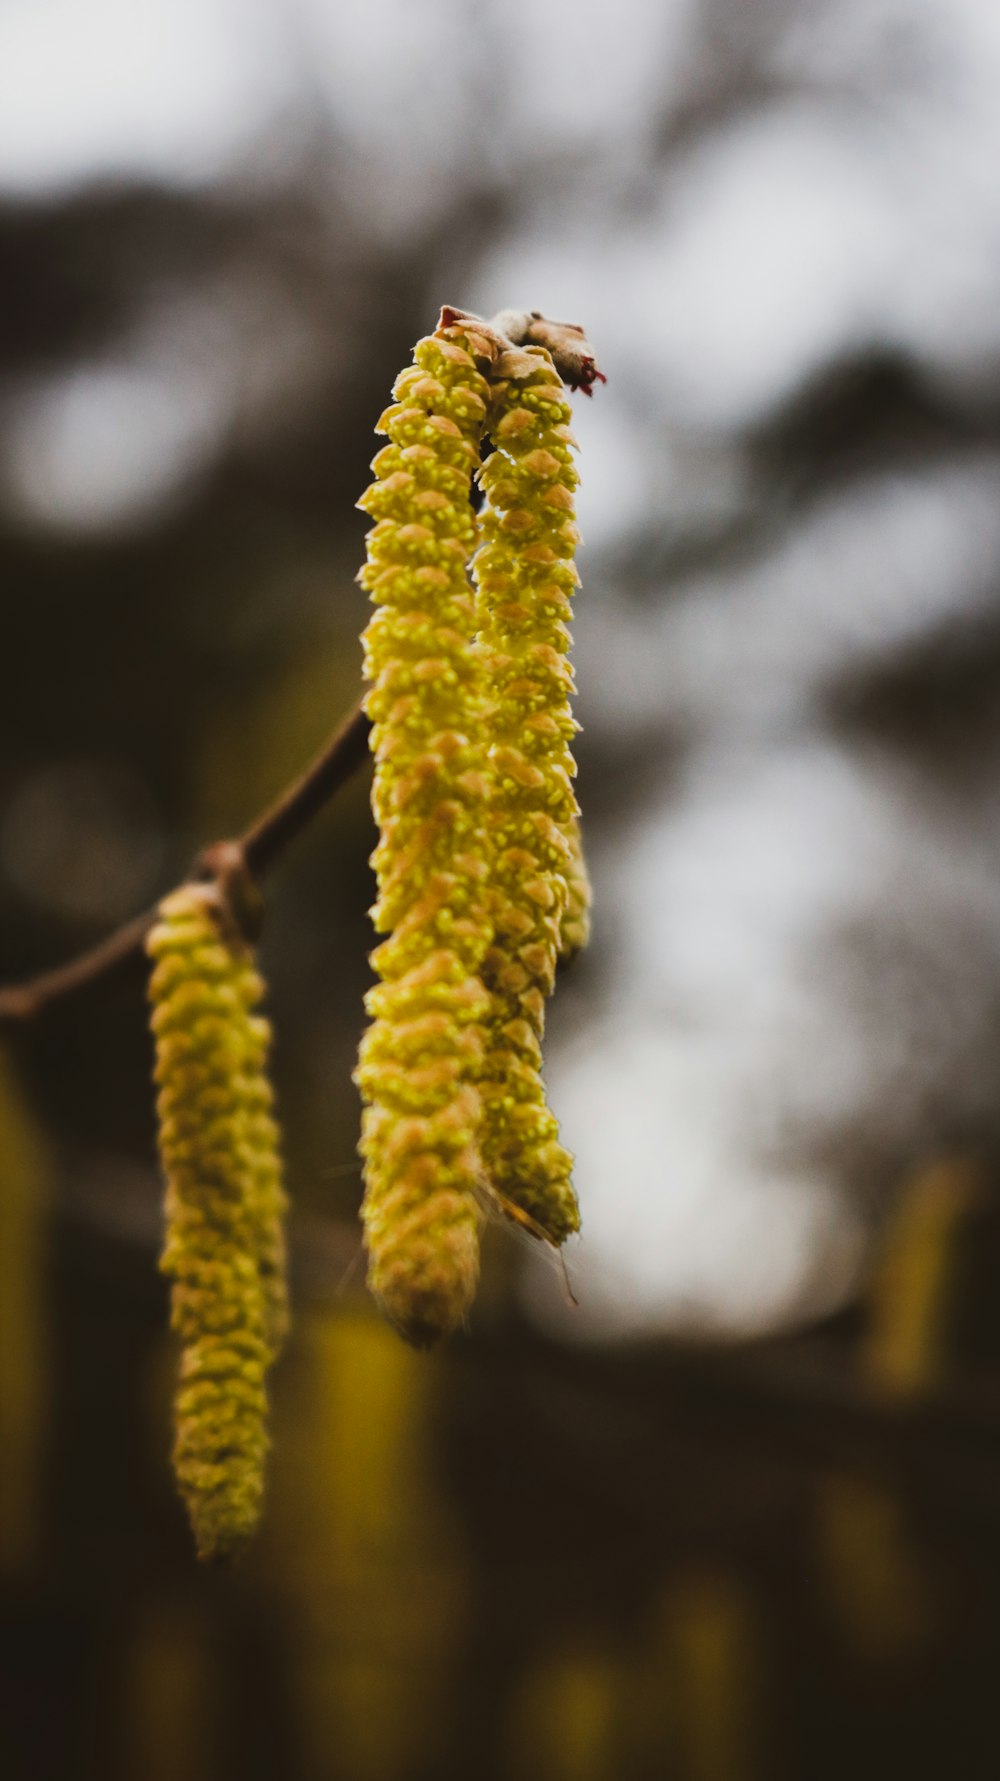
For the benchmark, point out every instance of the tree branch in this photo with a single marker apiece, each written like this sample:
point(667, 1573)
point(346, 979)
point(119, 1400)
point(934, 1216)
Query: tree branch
point(266, 840)
point(257, 850)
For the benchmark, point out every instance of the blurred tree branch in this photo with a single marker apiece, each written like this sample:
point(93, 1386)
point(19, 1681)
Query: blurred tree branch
point(255, 852)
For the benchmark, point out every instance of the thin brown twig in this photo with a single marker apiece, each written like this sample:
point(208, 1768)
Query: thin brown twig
point(266, 839)
point(258, 849)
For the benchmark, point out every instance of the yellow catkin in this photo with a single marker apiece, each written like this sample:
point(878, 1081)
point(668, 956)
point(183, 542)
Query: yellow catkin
point(224, 1247)
point(421, 1059)
point(526, 575)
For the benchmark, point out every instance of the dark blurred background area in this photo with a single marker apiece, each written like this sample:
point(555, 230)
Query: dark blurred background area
point(735, 1516)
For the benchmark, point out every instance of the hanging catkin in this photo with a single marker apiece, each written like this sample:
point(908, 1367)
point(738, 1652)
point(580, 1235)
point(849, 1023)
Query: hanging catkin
point(421, 1059)
point(224, 1247)
point(525, 576)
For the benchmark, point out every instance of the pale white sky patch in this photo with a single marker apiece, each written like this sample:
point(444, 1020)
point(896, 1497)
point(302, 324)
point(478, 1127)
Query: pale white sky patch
point(107, 445)
point(167, 89)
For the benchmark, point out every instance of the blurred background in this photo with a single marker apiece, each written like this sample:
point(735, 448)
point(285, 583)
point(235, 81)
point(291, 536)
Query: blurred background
point(736, 1517)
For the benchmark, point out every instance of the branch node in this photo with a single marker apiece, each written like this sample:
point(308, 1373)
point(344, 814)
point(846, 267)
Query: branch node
point(224, 864)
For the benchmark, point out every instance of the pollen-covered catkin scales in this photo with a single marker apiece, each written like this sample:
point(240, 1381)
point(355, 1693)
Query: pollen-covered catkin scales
point(224, 1248)
point(574, 934)
point(525, 576)
point(421, 1059)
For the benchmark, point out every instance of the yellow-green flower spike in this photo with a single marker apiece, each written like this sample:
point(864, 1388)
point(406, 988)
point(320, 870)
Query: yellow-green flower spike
point(224, 1248)
point(574, 934)
point(526, 575)
point(420, 1061)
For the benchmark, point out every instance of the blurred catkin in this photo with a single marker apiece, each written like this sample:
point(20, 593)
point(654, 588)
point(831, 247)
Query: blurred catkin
point(421, 1059)
point(224, 1248)
point(879, 1587)
point(525, 576)
point(915, 1286)
point(24, 1211)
